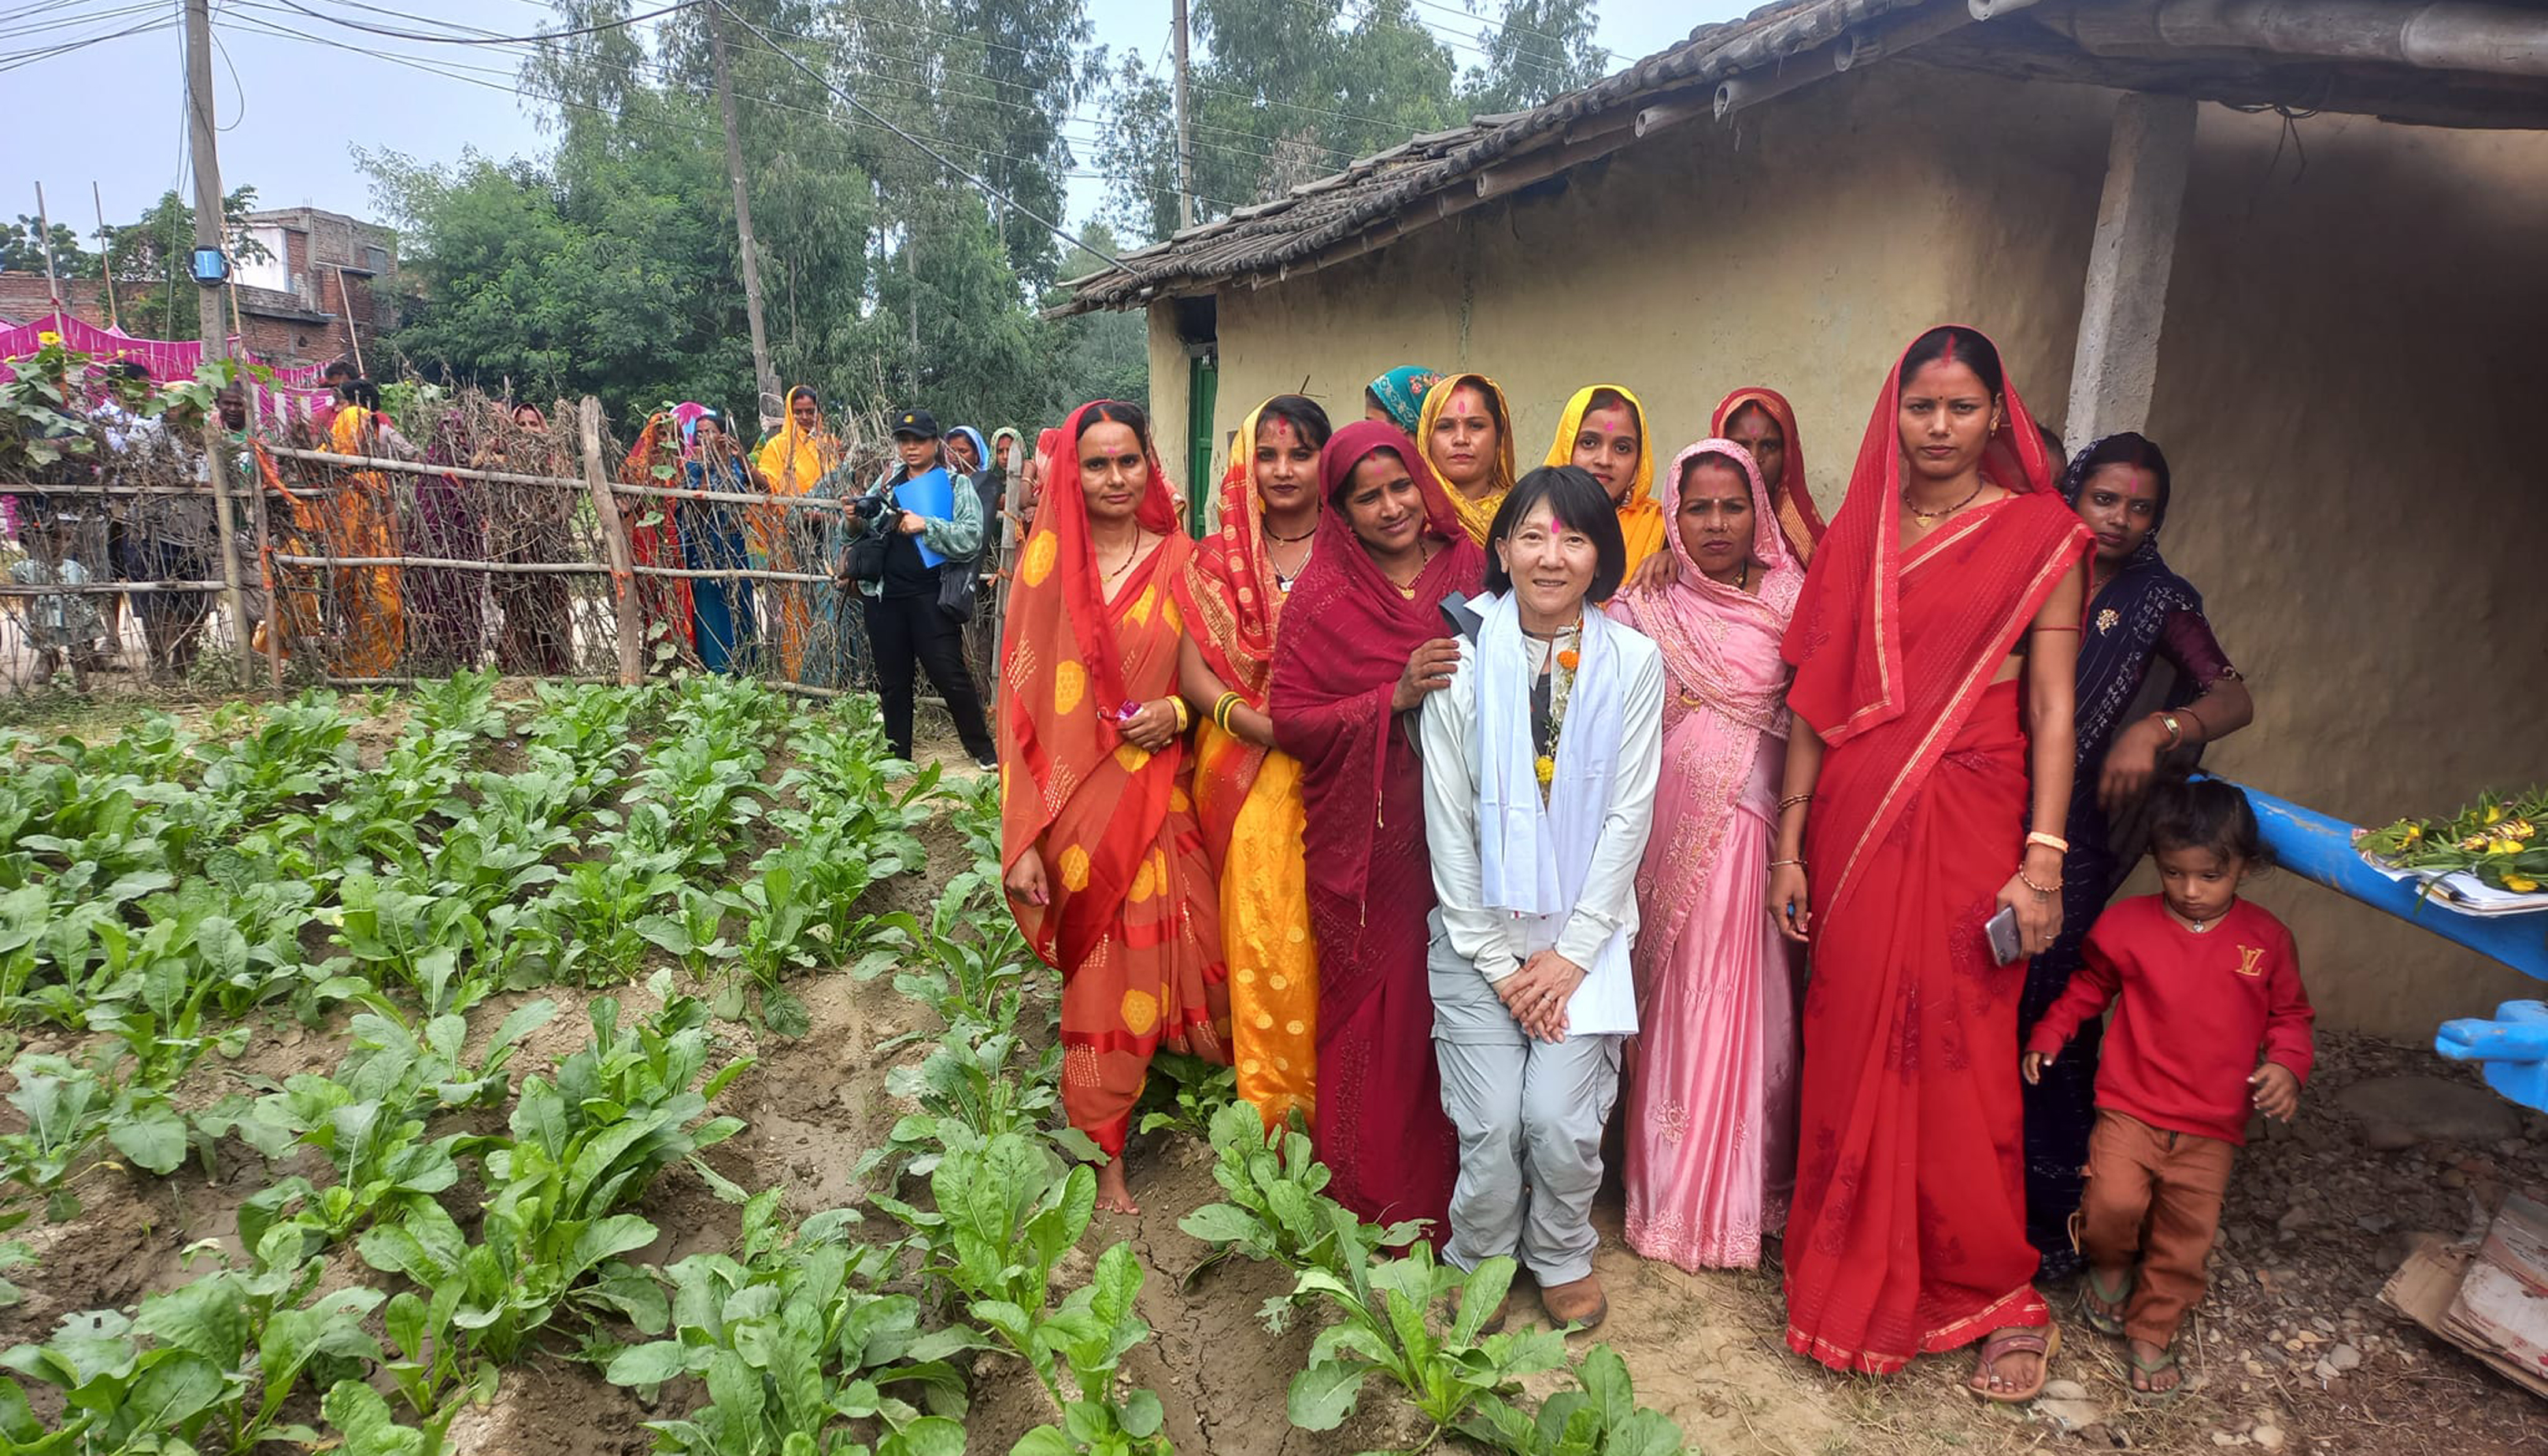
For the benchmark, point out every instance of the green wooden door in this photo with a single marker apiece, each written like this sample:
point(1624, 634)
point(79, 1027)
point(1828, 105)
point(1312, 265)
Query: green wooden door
point(1202, 382)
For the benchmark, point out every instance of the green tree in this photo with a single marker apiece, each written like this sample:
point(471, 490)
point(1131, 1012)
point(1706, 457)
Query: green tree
point(22, 249)
point(1285, 91)
point(1540, 50)
point(1101, 355)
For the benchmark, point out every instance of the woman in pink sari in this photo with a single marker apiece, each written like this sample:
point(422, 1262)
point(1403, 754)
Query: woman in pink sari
point(1712, 1070)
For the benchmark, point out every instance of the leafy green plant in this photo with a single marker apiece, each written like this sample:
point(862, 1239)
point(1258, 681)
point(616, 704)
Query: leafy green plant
point(1388, 1328)
point(369, 1121)
point(1185, 1092)
point(69, 1106)
point(1275, 1205)
point(1599, 1416)
point(211, 1363)
point(792, 1341)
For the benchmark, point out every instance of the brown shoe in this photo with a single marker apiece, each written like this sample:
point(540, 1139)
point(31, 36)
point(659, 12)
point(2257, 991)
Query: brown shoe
point(1579, 1303)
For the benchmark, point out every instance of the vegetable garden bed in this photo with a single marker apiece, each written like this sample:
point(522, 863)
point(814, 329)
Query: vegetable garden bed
point(623, 1069)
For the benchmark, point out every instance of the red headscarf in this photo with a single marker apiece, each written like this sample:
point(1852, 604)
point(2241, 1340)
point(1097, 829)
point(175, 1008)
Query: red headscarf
point(1798, 520)
point(1347, 634)
point(1231, 601)
point(1063, 677)
point(664, 601)
point(1847, 639)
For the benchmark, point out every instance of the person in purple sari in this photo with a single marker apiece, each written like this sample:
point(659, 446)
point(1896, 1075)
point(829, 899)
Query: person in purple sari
point(2152, 682)
point(446, 608)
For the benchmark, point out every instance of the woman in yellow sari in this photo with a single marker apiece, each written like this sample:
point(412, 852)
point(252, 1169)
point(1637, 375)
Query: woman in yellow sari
point(362, 520)
point(1247, 792)
point(788, 540)
point(1603, 433)
point(1466, 431)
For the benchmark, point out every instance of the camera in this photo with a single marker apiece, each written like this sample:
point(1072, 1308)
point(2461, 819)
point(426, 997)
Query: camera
point(876, 510)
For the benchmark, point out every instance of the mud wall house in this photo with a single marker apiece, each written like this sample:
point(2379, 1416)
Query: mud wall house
point(2298, 244)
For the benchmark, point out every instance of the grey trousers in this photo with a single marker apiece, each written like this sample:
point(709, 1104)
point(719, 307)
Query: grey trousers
point(1530, 1115)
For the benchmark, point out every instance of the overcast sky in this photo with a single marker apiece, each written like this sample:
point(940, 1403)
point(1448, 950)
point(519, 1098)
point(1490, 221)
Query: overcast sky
point(291, 105)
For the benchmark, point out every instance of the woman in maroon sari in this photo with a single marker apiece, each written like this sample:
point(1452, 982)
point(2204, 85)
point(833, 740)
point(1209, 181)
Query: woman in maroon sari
point(1362, 644)
point(1925, 744)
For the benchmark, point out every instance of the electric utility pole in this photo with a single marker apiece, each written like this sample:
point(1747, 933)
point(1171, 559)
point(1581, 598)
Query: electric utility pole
point(208, 219)
point(1185, 141)
point(764, 378)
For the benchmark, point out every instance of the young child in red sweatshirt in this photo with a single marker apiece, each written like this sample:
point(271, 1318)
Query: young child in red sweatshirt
point(2213, 1023)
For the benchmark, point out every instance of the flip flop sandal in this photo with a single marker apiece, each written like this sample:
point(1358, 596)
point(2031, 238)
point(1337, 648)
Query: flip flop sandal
point(2100, 1308)
point(2045, 1341)
point(2146, 1368)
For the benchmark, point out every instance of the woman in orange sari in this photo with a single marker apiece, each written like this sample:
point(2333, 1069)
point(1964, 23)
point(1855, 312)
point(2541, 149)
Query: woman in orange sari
point(1103, 862)
point(1924, 745)
point(1247, 792)
point(1763, 423)
point(786, 539)
point(362, 520)
point(1603, 433)
point(1466, 431)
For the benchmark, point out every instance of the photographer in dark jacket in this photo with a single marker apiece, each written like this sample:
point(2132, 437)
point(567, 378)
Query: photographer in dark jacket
point(918, 522)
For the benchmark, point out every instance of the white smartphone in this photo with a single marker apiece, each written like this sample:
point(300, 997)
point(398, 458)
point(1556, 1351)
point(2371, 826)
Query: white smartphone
point(2005, 946)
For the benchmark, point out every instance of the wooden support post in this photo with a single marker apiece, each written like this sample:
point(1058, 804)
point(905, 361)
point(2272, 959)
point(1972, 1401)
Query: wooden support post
point(614, 537)
point(2115, 367)
point(265, 571)
point(217, 471)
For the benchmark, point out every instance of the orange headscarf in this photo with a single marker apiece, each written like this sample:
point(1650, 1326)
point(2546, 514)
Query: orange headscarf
point(1066, 676)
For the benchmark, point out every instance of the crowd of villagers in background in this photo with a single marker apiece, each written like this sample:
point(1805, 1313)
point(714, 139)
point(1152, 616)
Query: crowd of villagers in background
point(402, 590)
point(1448, 800)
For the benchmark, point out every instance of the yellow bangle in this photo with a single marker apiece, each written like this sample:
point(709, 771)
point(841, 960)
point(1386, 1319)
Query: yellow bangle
point(1229, 703)
point(1185, 720)
point(2054, 842)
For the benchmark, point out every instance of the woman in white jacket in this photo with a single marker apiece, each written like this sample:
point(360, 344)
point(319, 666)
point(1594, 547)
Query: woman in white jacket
point(1540, 761)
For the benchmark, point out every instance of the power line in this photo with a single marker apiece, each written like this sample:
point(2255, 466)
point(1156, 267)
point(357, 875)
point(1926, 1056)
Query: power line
point(613, 25)
point(455, 70)
point(17, 59)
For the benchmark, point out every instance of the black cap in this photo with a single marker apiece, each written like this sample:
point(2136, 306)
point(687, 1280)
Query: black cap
point(919, 423)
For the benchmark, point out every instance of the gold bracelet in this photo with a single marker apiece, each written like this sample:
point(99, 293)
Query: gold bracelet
point(1793, 800)
point(2040, 891)
point(2054, 842)
point(1185, 718)
point(1783, 863)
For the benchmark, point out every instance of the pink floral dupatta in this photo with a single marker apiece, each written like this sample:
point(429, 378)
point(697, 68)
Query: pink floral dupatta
point(1721, 660)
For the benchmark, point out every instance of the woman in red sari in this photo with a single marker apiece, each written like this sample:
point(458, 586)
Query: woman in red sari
point(1362, 644)
point(1925, 744)
point(655, 540)
point(1098, 842)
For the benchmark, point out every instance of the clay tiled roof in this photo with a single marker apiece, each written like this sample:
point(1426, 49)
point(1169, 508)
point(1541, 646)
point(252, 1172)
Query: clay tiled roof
point(1377, 192)
point(2483, 80)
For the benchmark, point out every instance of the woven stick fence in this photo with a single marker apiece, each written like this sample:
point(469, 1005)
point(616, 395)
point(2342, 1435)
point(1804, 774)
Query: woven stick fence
point(526, 541)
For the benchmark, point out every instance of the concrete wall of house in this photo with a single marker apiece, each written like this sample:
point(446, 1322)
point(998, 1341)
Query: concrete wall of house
point(2338, 386)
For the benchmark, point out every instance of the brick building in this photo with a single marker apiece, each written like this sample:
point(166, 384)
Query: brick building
point(311, 301)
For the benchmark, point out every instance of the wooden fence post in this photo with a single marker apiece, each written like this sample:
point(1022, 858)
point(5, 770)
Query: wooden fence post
point(217, 474)
point(615, 536)
point(265, 568)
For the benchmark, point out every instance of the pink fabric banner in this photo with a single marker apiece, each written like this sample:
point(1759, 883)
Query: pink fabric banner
point(293, 392)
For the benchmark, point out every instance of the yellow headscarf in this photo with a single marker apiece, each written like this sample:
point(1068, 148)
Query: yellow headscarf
point(1641, 515)
point(1478, 514)
point(794, 459)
